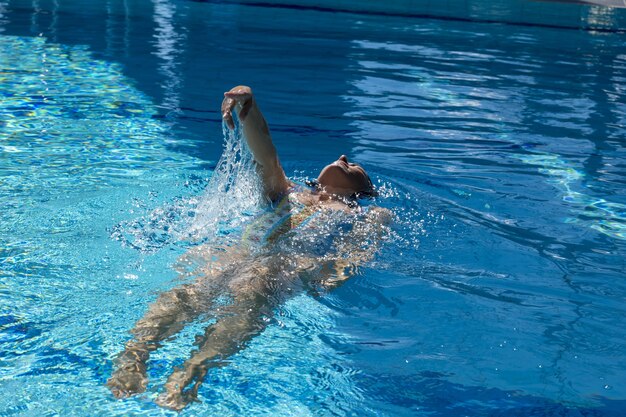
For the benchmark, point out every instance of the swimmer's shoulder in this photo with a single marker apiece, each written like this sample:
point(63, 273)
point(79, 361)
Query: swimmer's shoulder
point(304, 195)
point(310, 198)
point(307, 197)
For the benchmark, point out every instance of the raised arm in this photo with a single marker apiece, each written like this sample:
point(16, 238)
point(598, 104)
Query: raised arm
point(258, 137)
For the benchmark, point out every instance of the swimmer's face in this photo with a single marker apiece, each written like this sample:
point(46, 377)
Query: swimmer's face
point(344, 178)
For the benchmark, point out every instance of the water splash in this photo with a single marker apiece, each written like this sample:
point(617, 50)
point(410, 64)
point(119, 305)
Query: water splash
point(231, 198)
point(234, 193)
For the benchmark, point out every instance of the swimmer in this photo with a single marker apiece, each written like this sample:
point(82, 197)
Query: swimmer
point(312, 240)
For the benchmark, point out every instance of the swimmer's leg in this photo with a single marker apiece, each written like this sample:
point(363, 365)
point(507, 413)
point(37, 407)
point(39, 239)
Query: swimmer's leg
point(165, 317)
point(245, 319)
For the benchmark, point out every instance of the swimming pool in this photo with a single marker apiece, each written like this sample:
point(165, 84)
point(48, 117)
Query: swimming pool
point(500, 147)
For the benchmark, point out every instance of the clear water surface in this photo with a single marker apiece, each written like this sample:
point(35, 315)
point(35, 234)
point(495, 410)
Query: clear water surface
point(501, 149)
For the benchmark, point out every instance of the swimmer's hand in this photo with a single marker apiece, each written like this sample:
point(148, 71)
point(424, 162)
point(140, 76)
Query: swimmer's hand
point(258, 138)
point(239, 98)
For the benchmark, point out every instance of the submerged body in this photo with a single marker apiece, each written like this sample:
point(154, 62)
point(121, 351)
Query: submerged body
point(309, 240)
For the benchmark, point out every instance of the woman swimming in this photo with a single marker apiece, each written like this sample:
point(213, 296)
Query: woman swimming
point(310, 240)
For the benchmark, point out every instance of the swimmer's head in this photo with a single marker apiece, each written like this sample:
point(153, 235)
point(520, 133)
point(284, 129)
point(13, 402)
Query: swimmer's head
point(345, 179)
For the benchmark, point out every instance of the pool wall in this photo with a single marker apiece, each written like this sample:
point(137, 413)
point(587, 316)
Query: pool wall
point(554, 14)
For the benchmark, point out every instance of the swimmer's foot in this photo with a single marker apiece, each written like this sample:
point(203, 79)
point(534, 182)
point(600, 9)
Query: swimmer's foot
point(175, 399)
point(172, 400)
point(129, 379)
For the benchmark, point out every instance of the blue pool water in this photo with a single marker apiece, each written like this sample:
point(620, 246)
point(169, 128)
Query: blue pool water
point(500, 148)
